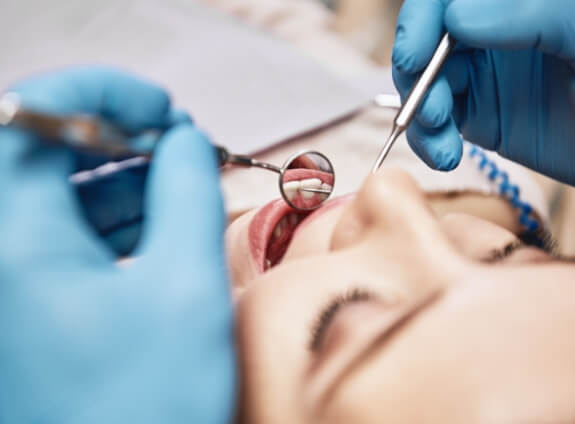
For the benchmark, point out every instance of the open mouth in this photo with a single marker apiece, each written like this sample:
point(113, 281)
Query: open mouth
point(271, 231)
point(272, 228)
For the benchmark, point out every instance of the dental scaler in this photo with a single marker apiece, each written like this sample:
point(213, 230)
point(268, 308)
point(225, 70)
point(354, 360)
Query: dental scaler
point(417, 94)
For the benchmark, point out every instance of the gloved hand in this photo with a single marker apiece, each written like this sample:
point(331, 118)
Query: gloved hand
point(509, 86)
point(83, 340)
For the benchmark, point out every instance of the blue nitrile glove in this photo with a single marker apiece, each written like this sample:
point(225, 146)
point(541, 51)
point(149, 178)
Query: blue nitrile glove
point(83, 340)
point(509, 86)
point(113, 206)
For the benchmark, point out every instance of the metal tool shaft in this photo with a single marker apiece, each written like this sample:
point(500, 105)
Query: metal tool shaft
point(417, 94)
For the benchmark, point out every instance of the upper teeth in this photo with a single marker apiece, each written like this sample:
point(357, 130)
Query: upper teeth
point(293, 187)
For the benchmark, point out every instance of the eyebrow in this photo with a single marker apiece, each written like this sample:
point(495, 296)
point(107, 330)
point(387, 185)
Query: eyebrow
point(407, 314)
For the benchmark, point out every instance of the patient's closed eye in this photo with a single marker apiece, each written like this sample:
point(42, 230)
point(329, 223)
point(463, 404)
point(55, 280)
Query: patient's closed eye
point(498, 255)
point(330, 311)
point(546, 252)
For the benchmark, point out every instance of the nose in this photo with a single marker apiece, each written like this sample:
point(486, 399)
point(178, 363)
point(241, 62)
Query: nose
point(390, 207)
point(392, 229)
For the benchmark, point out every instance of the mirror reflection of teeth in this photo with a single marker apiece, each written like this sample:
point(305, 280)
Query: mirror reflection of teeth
point(293, 187)
point(313, 183)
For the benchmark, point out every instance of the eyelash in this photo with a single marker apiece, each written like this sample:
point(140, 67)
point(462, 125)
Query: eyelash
point(541, 240)
point(498, 255)
point(329, 312)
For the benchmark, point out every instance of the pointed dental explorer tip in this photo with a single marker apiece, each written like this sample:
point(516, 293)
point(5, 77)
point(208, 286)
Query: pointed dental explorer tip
point(407, 111)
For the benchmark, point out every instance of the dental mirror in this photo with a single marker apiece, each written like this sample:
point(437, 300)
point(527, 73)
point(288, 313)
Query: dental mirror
point(306, 180)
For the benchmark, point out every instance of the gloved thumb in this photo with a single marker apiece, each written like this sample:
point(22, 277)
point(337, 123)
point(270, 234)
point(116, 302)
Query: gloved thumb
point(513, 24)
point(183, 214)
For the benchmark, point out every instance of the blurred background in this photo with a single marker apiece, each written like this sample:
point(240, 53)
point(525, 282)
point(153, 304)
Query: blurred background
point(367, 24)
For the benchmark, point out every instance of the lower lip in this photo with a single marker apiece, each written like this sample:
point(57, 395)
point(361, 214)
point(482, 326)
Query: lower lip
point(261, 228)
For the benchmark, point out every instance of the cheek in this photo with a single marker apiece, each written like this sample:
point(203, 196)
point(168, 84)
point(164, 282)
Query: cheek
point(474, 237)
point(242, 267)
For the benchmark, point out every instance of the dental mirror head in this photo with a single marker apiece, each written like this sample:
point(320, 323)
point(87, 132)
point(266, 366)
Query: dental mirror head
point(306, 180)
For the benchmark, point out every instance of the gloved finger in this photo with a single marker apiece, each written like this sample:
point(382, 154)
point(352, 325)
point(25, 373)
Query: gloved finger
point(436, 107)
point(456, 71)
point(419, 29)
point(513, 24)
point(179, 116)
point(440, 148)
point(35, 182)
point(114, 207)
point(184, 209)
point(132, 103)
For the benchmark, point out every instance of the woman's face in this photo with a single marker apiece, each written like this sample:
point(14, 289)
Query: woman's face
point(379, 311)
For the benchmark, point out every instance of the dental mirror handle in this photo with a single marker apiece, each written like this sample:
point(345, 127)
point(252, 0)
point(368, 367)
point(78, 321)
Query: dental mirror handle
point(226, 157)
point(417, 94)
point(80, 132)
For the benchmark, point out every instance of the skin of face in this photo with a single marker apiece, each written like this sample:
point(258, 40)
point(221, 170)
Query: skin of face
point(443, 335)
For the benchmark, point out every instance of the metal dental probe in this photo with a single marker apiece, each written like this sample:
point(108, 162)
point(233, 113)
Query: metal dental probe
point(407, 111)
